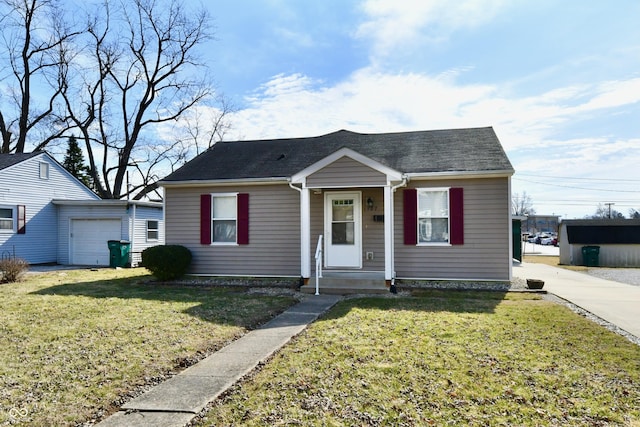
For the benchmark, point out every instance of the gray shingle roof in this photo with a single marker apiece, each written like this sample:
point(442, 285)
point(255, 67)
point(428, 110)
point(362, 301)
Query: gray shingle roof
point(454, 150)
point(7, 160)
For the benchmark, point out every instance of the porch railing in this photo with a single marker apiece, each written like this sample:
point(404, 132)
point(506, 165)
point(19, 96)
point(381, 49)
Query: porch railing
point(318, 264)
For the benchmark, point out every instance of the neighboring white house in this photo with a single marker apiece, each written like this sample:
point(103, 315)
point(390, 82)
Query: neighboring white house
point(49, 216)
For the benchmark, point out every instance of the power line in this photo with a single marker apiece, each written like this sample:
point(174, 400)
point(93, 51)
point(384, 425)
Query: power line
point(577, 188)
point(578, 179)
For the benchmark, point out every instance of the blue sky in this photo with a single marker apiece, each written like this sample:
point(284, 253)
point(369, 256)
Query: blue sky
point(558, 80)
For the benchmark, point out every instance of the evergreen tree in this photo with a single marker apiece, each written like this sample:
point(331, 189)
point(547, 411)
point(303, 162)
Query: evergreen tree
point(74, 163)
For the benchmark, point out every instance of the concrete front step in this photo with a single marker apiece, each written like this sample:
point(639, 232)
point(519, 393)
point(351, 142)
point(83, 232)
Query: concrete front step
point(346, 285)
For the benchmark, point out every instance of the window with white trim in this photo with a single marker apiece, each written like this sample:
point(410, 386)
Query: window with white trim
point(224, 218)
point(152, 230)
point(433, 215)
point(7, 219)
point(44, 170)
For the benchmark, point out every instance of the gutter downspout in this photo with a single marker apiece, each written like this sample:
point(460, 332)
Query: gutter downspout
point(293, 186)
point(392, 287)
point(305, 232)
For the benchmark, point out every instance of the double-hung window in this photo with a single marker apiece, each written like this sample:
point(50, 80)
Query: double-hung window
point(224, 218)
point(433, 215)
point(152, 230)
point(13, 219)
point(6, 219)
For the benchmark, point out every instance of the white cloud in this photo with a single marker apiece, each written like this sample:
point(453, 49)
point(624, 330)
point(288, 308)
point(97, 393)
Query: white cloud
point(614, 94)
point(368, 101)
point(530, 128)
point(391, 24)
point(371, 101)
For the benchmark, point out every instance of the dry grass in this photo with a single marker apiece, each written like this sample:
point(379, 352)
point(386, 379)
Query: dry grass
point(446, 358)
point(74, 344)
point(553, 261)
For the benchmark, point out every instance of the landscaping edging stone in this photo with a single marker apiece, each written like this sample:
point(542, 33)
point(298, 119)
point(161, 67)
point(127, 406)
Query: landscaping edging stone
point(515, 284)
point(255, 284)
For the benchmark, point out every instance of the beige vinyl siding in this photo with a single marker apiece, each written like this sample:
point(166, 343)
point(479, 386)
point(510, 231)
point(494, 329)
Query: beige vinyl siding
point(317, 225)
point(485, 254)
point(372, 232)
point(274, 231)
point(346, 172)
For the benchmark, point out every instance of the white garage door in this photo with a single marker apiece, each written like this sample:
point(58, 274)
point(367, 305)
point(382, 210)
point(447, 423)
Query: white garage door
point(89, 240)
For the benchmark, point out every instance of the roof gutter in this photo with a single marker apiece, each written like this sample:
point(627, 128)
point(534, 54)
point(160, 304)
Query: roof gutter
point(461, 175)
point(229, 182)
point(106, 202)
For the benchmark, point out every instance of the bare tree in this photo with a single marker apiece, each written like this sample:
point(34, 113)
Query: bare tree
point(144, 76)
point(604, 211)
point(32, 33)
point(522, 204)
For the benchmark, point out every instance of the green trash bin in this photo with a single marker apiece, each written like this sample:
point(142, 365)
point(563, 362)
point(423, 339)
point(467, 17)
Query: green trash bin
point(591, 256)
point(118, 253)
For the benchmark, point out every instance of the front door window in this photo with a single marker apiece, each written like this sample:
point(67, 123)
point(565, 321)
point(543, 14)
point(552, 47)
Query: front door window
point(342, 225)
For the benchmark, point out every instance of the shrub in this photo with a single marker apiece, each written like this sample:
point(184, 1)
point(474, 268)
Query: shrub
point(166, 262)
point(12, 269)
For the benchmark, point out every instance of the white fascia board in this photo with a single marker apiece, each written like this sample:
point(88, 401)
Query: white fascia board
point(392, 175)
point(460, 175)
point(107, 202)
point(224, 182)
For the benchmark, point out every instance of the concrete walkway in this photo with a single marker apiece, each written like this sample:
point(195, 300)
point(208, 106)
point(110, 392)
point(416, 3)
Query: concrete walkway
point(176, 401)
point(617, 303)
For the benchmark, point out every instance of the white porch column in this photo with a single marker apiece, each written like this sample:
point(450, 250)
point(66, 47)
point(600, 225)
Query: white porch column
point(305, 233)
point(389, 261)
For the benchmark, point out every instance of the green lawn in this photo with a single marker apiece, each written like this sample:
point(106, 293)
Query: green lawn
point(444, 358)
point(75, 344)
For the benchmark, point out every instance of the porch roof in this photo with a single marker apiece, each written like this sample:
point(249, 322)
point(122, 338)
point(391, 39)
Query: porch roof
point(473, 150)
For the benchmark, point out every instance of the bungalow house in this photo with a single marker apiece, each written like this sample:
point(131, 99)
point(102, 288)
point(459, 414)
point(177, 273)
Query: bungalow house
point(409, 205)
point(49, 216)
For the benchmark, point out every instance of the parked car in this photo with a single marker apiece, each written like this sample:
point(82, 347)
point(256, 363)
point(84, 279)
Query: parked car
point(549, 241)
point(543, 239)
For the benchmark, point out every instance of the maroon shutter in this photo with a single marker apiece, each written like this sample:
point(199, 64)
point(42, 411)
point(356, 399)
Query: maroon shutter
point(410, 208)
point(243, 219)
point(22, 219)
point(205, 219)
point(456, 216)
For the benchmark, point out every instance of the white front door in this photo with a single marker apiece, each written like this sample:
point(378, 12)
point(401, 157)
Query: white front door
point(343, 230)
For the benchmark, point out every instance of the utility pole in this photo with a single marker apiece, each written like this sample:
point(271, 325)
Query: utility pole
point(609, 205)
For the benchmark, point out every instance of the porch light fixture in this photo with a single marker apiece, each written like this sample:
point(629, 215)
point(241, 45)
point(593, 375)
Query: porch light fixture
point(370, 203)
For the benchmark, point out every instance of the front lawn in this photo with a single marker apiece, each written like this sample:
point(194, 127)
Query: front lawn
point(74, 344)
point(444, 358)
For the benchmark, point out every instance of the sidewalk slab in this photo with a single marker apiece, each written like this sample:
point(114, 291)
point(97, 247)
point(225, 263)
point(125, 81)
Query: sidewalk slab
point(176, 401)
point(182, 393)
point(146, 419)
